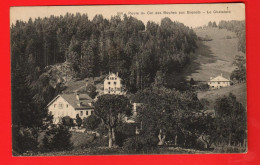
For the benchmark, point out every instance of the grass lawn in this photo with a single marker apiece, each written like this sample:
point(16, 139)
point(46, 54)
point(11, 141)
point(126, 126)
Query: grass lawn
point(239, 90)
point(120, 151)
point(213, 57)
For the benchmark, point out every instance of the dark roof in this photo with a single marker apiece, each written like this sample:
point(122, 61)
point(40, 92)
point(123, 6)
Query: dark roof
point(83, 98)
point(112, 74)
point(71, 98)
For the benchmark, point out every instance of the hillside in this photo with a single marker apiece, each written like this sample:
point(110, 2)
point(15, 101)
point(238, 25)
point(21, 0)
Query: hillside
point(238, 90)
point(213, 57)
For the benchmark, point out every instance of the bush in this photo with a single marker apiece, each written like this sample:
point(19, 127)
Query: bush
point(91, 123)
point(91, 90)
point(23, 140)
point(78, 121)
point(199, 144)
point(67, 121)
point(140, 143)
point(124, 131)
point(57, 138)
point(228, 37)
point(206, 38)
point(203, 87)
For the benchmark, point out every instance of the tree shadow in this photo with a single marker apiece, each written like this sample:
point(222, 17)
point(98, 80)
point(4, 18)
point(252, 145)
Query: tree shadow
point(202, 55)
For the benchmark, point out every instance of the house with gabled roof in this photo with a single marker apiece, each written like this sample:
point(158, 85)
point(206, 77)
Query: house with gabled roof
point(113, 84)
point(218, 82)
point(71, 105)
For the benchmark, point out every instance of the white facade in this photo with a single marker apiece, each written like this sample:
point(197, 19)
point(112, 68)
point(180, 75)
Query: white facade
point(112, 84)
point(218, 82)
point(60, 108)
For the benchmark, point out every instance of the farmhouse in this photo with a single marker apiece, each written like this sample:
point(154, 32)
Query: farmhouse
point(218, 82)
point(113, 84)
point(70, 105)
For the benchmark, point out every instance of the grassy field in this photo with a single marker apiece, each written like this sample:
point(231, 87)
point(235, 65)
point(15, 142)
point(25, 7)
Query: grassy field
point(120, 151)
point(213, 57)
point(238, 90)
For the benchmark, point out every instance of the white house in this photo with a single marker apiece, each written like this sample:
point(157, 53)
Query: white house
point(70, 105)
point(218, 82)
point(113, 84)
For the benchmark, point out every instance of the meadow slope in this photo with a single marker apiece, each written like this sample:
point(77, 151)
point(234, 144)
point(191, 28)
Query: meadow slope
point(213, 57)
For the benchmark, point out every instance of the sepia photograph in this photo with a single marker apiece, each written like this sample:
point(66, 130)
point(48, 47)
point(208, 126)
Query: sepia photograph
point(128, 79)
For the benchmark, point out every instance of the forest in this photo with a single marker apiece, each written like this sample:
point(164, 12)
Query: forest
point(95, 47)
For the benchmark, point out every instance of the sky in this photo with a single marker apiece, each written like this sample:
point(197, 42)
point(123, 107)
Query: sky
point(236, 11)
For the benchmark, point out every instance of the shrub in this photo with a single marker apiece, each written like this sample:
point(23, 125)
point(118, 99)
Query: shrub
point(67, 121)
point(203, 87)
point(199, 144)
point(91, 123)
point(78, 120)
point(124, 131)
point(57, 138)
point(91, 90)
point(228, 37)
point(140, 143)
point(23, 140)
point(206, 38)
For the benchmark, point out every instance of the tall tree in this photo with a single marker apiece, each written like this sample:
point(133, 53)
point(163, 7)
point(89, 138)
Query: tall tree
point(231, 118)
point(110, 109)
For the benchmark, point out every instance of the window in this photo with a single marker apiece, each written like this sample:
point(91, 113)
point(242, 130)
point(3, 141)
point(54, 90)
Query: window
point(218, 82)
point(87, 113)
point(112, 78)
point(115, 78)
point(115, 83)
point(91, 112)
point(60, 105)
point(54, 105)
point(67, 105)
point(108, 82)
point(81, 113)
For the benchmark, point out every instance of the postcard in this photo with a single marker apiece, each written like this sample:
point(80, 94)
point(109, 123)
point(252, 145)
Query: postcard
point(128, 79)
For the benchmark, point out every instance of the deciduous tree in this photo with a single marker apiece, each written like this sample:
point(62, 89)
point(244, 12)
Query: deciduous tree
point(110, 108)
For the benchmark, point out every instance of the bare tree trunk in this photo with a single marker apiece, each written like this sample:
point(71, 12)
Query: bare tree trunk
point(161, 137)
point(229, 139)
point(113, 135)
point(175, 140)
point(110, 137)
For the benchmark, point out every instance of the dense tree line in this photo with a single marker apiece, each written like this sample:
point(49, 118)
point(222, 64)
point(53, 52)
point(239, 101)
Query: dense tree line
point(95, 47)
point(239, 74)
point(239, 28)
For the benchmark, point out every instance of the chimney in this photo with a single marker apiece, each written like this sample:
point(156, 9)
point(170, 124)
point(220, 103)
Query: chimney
point(116, 73)
point(77, 96)
point(221, 74)
point(79, 104)
point(210, 78)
